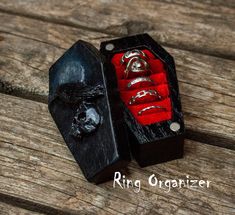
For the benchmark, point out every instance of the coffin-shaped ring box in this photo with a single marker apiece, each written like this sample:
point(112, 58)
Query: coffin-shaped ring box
point(125, 92)
point(148, 88)
point(84, 104)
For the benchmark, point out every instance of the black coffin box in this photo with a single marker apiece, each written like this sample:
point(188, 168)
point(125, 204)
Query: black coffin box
point(97, 112)
point(155, 136)
point(88, 113)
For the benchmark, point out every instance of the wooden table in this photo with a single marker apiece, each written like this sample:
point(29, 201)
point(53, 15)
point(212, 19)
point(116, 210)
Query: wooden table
point(38, 175)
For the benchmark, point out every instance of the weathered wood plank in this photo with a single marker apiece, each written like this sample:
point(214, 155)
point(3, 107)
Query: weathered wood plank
point(199, 26)
point(28, 47)
point(36, 166)
point(6, 209)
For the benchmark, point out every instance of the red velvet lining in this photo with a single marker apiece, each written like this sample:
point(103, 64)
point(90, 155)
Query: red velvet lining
point(158, 76)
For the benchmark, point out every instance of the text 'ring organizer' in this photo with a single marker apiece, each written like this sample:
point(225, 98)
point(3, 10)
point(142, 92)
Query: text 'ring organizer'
point(125, 94)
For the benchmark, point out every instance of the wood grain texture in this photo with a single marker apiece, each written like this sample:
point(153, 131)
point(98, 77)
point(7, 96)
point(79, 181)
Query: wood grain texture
point(37, 171)
point(29, 47)
point(192, 25)
point(6, 209)
point(37, 167)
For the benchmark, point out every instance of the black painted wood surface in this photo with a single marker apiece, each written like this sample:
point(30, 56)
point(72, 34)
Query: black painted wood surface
point(153, 143)
point(87, 114)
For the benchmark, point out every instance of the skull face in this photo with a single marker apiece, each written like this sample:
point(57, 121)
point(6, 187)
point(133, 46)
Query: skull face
point(86, 120)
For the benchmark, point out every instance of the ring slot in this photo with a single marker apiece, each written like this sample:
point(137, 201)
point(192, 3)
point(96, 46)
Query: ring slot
point(145, 96)
point(136, 66)
point(139, 82)
point(156, 107)
point(131, 54)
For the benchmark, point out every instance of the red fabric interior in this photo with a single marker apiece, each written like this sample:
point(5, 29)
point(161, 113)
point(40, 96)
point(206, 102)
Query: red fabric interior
point(158, 75)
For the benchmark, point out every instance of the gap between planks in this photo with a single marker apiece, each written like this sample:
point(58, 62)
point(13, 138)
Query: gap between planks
point(193, 26)
point(10, 205)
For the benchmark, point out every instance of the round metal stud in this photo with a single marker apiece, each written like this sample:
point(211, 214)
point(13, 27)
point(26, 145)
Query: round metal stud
point(175, 126)
point(109, 47)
